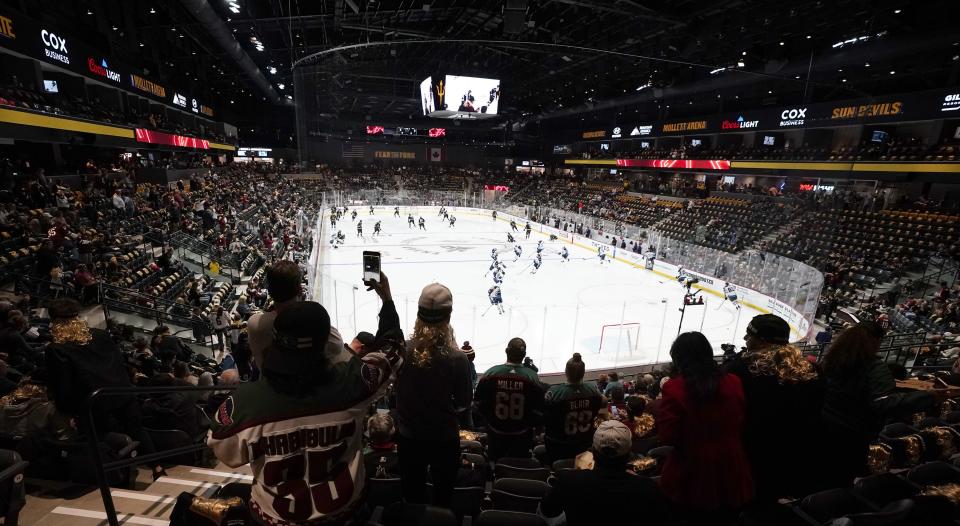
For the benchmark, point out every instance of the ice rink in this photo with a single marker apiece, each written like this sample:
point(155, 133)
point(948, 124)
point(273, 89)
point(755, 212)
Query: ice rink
point(615, 314)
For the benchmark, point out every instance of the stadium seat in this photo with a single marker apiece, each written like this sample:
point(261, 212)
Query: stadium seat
point(384, 492)
point(466, 502)
point(894, 514)
point(565, 463)
point(518, 494)
point(884, 488)
point(471, 446)
point(12, 489)
point(509, 518)
point(402, 514)
point(934, 474)
point(832, 503)
point(515, 468)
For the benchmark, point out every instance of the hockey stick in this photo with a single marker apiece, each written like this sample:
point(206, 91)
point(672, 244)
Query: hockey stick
point(486, 311)
point(721, 304)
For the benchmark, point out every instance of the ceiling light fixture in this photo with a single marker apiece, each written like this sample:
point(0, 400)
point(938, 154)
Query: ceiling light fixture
point(892, 72)
point(89, 12)
point(781, 43)
point(896, 11)
point(272, 70)
point(233, 6)
point(740, 64)
point(866, 64)
point(281, 86)
point(153, 11)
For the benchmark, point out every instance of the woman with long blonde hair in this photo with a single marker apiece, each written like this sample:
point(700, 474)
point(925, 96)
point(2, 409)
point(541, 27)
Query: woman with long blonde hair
point(433, 389)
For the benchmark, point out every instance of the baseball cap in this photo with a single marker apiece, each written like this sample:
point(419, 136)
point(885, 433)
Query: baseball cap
point(436, 303)
point(612, 439)
point(365, 338)
point(299, 338)
point(769, 327)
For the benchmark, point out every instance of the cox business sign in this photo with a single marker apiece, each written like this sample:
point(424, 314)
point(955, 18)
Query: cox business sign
point(54, 47)
point(791, 117)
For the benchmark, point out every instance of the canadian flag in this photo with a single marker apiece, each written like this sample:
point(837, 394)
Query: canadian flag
point(435, 154)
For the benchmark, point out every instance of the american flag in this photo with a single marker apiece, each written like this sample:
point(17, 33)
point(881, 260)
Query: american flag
point(353, 151)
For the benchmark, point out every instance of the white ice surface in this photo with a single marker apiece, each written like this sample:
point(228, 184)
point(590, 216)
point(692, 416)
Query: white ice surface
point(559, 310)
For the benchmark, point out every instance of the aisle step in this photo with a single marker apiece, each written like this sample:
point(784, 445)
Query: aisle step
point(70, 516)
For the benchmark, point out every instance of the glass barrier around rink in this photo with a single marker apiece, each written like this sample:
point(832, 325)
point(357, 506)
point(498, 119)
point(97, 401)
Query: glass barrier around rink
point(613, 335)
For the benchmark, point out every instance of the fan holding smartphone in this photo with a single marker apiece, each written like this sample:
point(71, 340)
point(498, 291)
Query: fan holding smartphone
point(371, 266)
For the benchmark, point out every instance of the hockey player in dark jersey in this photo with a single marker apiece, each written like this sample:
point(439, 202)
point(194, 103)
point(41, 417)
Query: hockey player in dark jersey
point(411, 223)
point(396, 211)
point(510, 397)
point(513, 225)
point(353, 215)
point(494, 214)
point(371, 209)
point(570, 412)
point(423, 223)
point(527, 229)
point(376, 228)
point(510, 238)
point(496, 299)
point(360, 228)
point(443, 211)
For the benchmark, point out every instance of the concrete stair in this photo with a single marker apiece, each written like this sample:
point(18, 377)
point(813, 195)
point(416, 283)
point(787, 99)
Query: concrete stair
point(149, 507)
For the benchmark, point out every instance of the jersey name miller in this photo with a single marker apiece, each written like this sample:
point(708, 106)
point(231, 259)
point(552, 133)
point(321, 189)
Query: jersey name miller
point(510, 385)
point(306, 438)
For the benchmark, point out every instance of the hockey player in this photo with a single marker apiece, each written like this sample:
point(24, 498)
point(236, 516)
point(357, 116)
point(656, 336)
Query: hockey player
point(333, 220)
point(360, 228)
point(510, 238)
point(497, 276)
point(396, 211)
point(496, 299)
point(423, 223)
point(446, 215)
point(353, 215)
point(539, 247)
point(602, 254)
point(453, 221)
point(513, 225)
point(376, 228)
point(494, 255)
point(517, 250)
point(536, 264)
point(494, 214)
point(371, 209)
point(730, 294)
point(410, 222)
point(443, 211)
point(564, 255)
point(527, 229)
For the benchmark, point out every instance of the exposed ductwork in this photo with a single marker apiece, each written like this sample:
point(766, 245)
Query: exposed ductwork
point(858, 54)
point(205, 14)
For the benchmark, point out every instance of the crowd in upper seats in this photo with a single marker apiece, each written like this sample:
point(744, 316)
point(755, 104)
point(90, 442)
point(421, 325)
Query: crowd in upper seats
point(18, 94)
point(892, 149)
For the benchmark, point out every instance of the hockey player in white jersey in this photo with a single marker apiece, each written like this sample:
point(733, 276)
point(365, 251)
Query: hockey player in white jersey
point(564, 255)
point(496, 299)
point(602, 254)
point(536, 264)
point(539, 247)
point(730, 294)
point(517, 250)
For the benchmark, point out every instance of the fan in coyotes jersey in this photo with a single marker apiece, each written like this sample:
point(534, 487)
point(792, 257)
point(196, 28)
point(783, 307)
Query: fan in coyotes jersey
point(510, 398)
point(301, 427)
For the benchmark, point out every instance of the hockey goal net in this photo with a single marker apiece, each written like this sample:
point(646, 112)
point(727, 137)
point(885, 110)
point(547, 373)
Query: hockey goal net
point(623, 338)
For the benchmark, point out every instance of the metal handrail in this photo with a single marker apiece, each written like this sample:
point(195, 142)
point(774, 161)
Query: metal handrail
point(100, 468)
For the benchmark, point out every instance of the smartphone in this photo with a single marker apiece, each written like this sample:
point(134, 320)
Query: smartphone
point(371, 266)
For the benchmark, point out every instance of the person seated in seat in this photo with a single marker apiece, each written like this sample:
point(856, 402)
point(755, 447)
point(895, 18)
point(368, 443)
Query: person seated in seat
point(570, 410)
point(575, 493)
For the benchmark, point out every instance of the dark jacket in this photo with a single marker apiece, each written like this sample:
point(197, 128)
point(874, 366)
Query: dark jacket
point(782, 419)
point(74, 371)
point(605, 495)
point(862, 403)
point(429, 398)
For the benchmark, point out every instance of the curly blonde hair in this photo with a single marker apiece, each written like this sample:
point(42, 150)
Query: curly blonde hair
point(786, 362)
point(430, 341)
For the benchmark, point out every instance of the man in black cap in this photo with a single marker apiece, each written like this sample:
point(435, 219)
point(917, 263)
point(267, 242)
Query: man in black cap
point(783, 395)
point(511, 398)
point(361, 343)
point(301, 428)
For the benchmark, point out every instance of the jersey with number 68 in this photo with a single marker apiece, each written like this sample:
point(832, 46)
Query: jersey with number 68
point(570, 412)
point(510, 398)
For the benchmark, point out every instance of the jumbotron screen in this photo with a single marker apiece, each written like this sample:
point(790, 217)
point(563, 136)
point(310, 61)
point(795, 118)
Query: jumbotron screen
point(460, 97)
